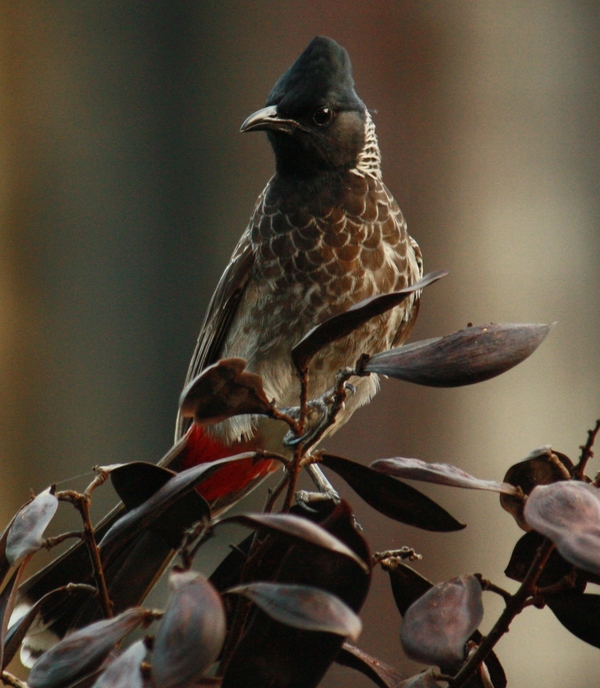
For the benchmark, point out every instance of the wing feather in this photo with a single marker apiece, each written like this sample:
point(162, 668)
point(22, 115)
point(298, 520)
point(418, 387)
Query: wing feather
point(221, 311)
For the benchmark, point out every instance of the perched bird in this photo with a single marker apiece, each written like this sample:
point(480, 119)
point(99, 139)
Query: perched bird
point(325, 234)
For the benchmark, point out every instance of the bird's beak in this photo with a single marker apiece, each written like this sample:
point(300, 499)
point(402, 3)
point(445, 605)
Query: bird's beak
point(267, 118)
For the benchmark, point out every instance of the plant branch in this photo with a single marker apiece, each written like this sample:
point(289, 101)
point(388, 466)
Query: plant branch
point(202, 530)
point(514, 606)
point(491, 587)
point(10, 680)
point(275, 493)
point(586, 451)
point(82, 503)
point(51, 542)
point(294, 469)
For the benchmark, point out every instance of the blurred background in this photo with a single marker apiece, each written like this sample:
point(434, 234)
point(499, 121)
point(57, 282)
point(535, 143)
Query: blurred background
point(124, 186)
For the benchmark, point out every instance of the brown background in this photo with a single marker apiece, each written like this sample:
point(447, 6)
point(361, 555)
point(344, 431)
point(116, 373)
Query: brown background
point(124, 185)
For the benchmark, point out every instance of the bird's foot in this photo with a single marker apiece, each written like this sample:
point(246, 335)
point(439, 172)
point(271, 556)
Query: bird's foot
point(326, 491)
point(318, 417)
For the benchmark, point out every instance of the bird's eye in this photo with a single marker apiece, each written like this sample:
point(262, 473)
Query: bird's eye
point(323, 116)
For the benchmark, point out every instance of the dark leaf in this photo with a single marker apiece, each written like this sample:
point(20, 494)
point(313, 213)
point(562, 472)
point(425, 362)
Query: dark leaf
point(17, 631)
point(136, 482)
point(4, 563)
point(146, 515)
point(89, 680)
point(273, 654)
point(542, 467)
point(83, 651)
point(7, 603)
point(391, 497)
point(229, 572)
point(440, 473)
point(345, 323)
point(223, 390)
point(191, 633)
point(25, 535)
point(463, 358)
point(578, 613)
point(407, 585)
point(303, 607)
point(568, 513)
point(523, 555)
point(124, 671)
point(437, 626)
point(382, 674)
point(297, 528)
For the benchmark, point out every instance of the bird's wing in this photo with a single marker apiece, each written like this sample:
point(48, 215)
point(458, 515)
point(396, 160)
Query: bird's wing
point(221, 311)
point(415, 262)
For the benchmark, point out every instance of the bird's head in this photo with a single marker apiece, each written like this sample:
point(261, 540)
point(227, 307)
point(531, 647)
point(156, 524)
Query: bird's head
point(313, 117)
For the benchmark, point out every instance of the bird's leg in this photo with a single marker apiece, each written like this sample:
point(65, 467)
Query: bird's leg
point(325, 488)
point(328, 405)
point(317, 411)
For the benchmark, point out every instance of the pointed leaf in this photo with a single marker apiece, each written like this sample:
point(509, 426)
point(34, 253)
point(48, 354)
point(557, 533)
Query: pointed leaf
point(345, 323)
point(437, 626)
point(382, 674)
point(83, 651)
point(303, 607)
point(407, 585)
point(271, 653)
point(391, 497)
point(137, 481)
point(25, 535)
point(124, 671)
point(578, 613)
point(7, 604)
point(191, 633)
point(147, 514)
point(297, 528)
point(463, 358)
point(568, 513)
point(4, 562)
point(541, 467)
point(440, 473)
point(523, 555)
point(19, 628)
point(223, 390)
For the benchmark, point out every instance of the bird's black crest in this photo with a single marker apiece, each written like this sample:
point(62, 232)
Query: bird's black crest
point(322, 72)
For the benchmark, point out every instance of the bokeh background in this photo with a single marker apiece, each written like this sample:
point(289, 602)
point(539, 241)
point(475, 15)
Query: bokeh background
point(124, 185)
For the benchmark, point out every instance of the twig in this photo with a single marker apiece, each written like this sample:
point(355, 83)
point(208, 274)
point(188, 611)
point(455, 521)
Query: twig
point(49, 543)
point(339, 397)
point(586, 451)
point(391, 558)
point(82, 503)
point(275, 493)
point(202, 530)
point(487, 584)
point(294, 469)
point(10, 680)
point(276, 414)
point(565, 583)
point(514, 606)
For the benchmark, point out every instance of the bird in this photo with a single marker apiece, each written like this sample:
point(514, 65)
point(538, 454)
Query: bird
point(325, 234)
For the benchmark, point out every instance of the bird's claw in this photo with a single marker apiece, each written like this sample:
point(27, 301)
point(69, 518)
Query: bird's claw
point(320, 406)
point(305, 497)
